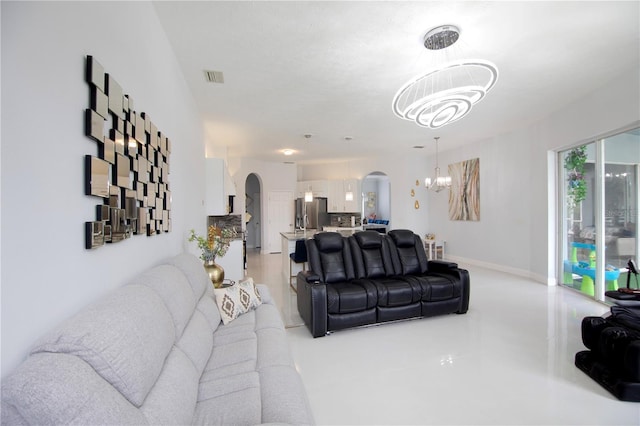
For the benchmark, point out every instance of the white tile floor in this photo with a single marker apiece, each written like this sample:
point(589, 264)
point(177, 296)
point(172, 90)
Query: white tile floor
point(509, 360)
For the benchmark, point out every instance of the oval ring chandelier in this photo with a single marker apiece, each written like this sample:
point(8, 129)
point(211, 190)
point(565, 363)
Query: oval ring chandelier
point(446, 93)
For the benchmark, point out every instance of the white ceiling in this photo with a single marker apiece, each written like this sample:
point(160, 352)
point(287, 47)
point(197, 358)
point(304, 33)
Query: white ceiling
point(331, 68)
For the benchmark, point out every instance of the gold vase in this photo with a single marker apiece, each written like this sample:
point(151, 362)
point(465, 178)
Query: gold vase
point(215, 272)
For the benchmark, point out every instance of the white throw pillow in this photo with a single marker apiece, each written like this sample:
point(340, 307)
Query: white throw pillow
point(237, 299)
point(249, 289)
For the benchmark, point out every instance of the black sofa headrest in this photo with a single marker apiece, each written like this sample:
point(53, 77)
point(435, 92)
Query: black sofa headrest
point(328, 242)
point(403, 237)
point(368, 239)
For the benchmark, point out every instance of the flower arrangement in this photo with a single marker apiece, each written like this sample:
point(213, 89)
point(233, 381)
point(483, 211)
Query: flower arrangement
point(216, 244)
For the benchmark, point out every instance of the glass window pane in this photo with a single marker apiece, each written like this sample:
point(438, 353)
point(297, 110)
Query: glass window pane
point(617, 232)
point(622, 156)
point(579, 229)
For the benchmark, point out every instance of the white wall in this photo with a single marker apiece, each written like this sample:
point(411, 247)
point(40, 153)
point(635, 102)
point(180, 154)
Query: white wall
point(272, 177)
point(379, 185)
point(47, 274)
point(517, 231)
point(402, 172)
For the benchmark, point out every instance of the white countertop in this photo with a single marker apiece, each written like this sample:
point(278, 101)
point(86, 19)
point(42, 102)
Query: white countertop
point(292, 236)
point(298, 234)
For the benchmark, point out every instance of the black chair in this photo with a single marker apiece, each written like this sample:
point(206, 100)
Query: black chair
point(298, 256)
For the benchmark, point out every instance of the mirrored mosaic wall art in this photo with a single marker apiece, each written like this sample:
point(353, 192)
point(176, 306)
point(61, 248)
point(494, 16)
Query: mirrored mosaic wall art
point(130, 171)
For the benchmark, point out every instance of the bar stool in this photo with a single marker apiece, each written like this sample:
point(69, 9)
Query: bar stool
point(298, 256)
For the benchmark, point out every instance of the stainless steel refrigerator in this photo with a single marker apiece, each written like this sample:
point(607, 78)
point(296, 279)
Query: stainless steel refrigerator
point(315, 212)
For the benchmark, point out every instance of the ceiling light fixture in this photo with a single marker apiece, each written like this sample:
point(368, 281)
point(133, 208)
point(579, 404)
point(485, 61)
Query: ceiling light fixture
point(441, 37)
point(287, 152)
point(447, 92)
point(439, 182)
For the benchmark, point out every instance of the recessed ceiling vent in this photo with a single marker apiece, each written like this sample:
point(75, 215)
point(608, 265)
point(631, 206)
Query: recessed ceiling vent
point(214, 76)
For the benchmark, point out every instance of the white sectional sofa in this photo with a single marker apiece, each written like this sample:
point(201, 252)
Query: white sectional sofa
point(156, 352)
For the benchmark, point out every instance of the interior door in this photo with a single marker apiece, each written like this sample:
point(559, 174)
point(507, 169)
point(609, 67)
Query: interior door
point(281, 210)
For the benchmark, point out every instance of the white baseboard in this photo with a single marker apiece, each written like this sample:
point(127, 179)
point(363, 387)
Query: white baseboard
point(548, 281)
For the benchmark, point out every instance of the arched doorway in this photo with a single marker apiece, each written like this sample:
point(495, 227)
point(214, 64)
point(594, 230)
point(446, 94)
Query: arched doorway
point(253, 211)
point(376, 199)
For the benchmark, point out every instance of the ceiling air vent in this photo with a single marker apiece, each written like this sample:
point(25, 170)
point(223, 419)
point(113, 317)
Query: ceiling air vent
point(214, 76)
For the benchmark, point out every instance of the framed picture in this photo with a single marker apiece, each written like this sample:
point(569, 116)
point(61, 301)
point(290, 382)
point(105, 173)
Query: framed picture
point(464, 196)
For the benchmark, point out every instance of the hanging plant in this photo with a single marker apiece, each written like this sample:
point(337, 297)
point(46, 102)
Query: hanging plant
point(574, 164)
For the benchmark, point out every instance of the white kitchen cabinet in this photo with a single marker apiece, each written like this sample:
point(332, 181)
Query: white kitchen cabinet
point(336, 202)
point(219, 186)
point(319, 188)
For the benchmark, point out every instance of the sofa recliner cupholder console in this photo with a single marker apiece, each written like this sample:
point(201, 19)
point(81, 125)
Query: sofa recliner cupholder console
point(369, 278)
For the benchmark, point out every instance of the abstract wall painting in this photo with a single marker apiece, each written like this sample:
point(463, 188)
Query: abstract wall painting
point(464, 196)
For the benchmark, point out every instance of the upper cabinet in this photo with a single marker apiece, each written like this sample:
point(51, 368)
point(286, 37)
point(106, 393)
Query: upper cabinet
point(219, 186)
point(337, 199)
point(335, 192)
point(319, 188)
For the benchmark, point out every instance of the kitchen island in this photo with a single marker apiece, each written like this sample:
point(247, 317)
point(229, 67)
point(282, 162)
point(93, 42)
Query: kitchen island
point(345, 231)
point(289, 246)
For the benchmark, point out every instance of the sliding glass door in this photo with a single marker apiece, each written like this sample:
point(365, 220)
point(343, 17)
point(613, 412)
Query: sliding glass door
point(599, 209)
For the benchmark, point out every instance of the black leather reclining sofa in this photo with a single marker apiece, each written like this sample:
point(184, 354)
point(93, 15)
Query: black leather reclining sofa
point(370, 277)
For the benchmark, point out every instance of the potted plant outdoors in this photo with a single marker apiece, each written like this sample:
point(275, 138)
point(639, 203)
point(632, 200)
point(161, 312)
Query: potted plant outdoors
point(577, 185)
point(215, 245)
point(574, 164)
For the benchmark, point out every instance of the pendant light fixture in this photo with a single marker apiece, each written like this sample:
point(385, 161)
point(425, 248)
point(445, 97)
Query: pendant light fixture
point(438, 183)
point(348, 195)
point(308, 195)
point(446, 92)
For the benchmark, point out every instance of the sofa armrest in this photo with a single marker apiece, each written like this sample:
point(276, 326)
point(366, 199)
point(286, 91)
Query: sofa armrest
point(308, 276)
point(441, 265)
point(312, 302)
point(461, 275)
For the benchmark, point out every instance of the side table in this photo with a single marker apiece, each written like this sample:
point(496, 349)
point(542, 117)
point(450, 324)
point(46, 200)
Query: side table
point(435, 249)
point(227, 283)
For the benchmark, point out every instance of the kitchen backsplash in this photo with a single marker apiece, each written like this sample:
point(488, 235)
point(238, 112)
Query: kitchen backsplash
point(344, 219)
point(228, 221)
